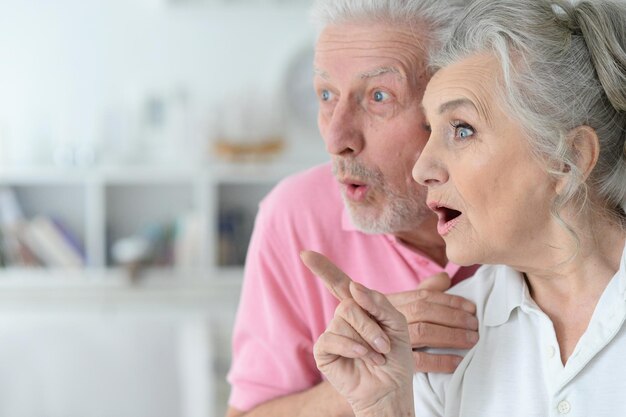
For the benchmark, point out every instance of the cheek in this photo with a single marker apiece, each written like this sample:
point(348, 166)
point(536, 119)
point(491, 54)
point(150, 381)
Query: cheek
point(512, 206)
point(396, 168)
point(491, 183)
point(322, 124)
point(485, 197)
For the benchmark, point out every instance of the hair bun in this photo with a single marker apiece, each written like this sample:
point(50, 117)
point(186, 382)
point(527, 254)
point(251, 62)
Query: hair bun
point(604, 30)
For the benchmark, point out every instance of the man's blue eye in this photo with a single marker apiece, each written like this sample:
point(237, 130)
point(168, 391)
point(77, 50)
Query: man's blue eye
point(380, 96)
point(325, 95)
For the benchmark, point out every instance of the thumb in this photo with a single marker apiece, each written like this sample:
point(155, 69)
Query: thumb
point(437, 282)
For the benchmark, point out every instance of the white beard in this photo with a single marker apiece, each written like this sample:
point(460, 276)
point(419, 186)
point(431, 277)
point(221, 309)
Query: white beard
point(400, 212)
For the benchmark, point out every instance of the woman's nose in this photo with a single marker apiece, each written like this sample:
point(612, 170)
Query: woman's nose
point(429, 169)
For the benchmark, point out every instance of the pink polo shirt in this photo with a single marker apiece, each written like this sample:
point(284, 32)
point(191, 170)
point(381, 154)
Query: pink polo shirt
point(283, 307)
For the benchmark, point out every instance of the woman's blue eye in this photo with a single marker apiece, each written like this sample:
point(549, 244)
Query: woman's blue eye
point(462, 131)
point(380, 96)
point(325, 95)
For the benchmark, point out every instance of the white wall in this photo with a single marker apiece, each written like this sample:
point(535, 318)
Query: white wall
point(67, 65)
point(78, 72)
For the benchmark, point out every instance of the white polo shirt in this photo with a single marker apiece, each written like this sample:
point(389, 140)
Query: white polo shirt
point(516, 370)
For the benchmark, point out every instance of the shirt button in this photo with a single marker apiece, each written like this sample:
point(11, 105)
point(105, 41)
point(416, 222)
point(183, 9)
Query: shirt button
point(551, 351)
point(564, 407)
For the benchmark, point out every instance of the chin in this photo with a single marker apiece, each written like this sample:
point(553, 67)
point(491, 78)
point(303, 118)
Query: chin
point(369, 220)
point(461, 256)
point(366, 224)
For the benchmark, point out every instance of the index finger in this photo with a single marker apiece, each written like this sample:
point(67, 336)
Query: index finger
point(337, 282)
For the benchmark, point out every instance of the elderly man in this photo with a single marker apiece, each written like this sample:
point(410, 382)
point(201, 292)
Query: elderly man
point(364, 210)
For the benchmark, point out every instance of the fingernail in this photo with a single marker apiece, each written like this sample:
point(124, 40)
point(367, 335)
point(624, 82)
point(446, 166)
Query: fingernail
point(472, 337)
point(359, 350)
point(358, 287)
point(472, 322)
point(467, 306)
point(379, 359)
point(382, 344)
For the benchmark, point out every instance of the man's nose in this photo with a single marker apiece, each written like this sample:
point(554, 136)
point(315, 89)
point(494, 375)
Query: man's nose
point(429, 169)
point(344, 135)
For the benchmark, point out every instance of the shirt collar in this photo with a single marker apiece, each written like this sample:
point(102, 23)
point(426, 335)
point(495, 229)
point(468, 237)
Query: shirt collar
point(511, 285)
point(622, 276)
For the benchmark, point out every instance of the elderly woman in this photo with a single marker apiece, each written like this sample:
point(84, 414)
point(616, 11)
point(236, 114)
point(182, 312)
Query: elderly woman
point(526, 169)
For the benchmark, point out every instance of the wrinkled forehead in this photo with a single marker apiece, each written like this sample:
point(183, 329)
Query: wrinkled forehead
point(473, 81)
point(408, 36)
point(371, 47)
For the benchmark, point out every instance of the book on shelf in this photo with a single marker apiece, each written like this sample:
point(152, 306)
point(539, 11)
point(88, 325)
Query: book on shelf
point(41, 241)
point(3, 262)
point(187, 241)
point(234, 230)
point(11, 220)
point(166, 243)
point(70, 238)
point(14, 251)
point(49, 244)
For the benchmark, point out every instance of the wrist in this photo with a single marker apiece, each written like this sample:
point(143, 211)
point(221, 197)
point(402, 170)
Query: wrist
point(336, 404)
point(396, 404)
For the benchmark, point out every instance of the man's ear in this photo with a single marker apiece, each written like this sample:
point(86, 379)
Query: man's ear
point(586, 149)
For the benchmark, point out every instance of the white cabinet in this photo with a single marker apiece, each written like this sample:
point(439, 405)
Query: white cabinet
point(100, 302)
point(92, 345)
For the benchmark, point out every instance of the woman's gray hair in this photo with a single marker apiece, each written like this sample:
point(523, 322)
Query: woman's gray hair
point(438, 16)
point(564, 66)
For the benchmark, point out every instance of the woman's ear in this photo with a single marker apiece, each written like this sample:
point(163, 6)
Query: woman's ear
point(585, 145)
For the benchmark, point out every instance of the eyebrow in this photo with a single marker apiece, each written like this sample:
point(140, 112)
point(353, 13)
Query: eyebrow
point(321, 73)
point(455, 104)
point(364, 75)
point(464, 102)
point(380, 71)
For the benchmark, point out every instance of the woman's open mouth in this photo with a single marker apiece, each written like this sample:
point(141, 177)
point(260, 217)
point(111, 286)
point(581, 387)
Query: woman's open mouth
point(448, 217)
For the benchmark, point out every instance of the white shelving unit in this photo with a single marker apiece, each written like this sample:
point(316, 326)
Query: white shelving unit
point(104, 204)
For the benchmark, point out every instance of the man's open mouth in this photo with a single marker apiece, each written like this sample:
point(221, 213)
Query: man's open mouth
point(355, 190)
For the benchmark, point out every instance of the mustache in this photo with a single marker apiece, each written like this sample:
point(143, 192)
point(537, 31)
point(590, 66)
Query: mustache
point(355, 169)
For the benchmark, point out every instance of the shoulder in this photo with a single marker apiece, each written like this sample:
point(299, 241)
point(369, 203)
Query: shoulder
point(302, 188)
point(479, 287)
point(310, 197)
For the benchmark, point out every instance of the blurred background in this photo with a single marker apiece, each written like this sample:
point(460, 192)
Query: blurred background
point(136, 140)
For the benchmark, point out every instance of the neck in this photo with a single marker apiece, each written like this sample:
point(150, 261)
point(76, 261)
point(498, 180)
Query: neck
point(569, 292)
point(592, 266)
point(426, 240)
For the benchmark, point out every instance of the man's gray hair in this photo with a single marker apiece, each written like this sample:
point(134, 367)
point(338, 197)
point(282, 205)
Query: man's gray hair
point(563, 66)
point(433, 18)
